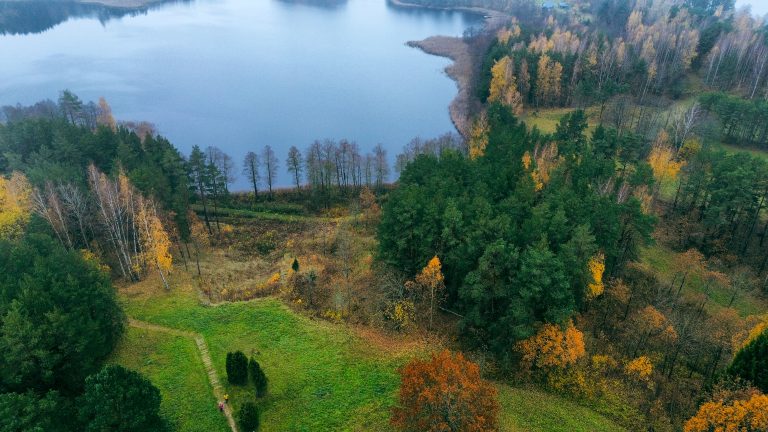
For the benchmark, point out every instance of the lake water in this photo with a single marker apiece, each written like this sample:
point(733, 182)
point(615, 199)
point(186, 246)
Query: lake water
point(239, 74)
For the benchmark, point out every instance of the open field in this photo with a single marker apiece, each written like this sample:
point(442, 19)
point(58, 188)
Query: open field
point(322, 376)
point(661, 259)
point(173, 364)
point(535, 410)
point(546, 119)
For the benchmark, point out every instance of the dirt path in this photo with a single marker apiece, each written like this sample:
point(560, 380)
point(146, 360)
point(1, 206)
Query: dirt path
point(205, 355)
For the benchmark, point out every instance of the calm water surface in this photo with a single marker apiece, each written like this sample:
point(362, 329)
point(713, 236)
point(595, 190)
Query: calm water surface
point(239, 74)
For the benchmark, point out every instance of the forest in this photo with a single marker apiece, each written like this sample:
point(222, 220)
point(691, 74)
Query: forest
point(615, 260)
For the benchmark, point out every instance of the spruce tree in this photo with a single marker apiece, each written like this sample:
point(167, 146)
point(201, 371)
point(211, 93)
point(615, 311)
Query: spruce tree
point(258, 377)
point(237, 368)
point(248, 417)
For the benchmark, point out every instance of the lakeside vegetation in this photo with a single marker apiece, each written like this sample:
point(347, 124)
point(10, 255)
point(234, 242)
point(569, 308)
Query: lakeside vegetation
point(591, 257)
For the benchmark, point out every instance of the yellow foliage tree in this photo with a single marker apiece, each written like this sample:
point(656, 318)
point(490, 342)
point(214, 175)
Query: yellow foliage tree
point(546, 157)
point(548, 82)
point(105, 117)
point(746, 415)
point(503, 86)
point(662, 159)
point(640, 368)
point(156, 245)
point(478, 137)
point(552, 348)
point(15, 205)
point(596, 267)
point(431, 280)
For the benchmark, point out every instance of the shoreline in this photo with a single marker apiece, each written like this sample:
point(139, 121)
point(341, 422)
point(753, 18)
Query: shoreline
point(461, 70)
point(489, 14)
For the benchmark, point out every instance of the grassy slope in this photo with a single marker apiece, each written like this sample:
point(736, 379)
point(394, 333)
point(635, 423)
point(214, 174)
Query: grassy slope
point(661, 260)
point(174, 366)
point(534, 410)
point(322, 376)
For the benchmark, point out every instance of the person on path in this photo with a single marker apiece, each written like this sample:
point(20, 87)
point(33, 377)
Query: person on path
point(221, 406)
point(226, 398)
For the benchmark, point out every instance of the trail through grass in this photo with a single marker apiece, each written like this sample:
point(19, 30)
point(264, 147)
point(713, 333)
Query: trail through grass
point(322, 376)
point(173, 364)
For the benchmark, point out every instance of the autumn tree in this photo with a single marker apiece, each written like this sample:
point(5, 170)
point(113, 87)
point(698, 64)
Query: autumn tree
point(295, 165)
point(504, 87)
point(105, 117)
point(662, 160)
point(251, 170)
point(431, 281)
point(596, 267)
point(749, 415)
point(445, 393)
point(156, 245)
point(478, 136)
point(552, 347)
point(269, 162)
point(548, 81)
point(15, 205)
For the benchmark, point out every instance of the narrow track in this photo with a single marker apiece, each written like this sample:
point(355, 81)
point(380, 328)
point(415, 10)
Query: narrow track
point(205, 355)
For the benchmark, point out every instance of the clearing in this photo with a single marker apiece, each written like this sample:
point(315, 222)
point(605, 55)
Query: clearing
point(322, 376)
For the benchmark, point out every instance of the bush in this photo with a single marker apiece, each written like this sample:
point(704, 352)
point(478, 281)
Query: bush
point(237, 368)
point(248, 417)
point(258, 377)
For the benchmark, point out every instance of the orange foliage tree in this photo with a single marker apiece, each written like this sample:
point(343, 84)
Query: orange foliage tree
point(748, 415)
point(445, 394)
point(552, 347)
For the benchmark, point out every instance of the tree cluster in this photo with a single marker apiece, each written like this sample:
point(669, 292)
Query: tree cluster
point(516, 229)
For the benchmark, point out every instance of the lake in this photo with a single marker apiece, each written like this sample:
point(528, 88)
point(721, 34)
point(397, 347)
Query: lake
point(240, 74)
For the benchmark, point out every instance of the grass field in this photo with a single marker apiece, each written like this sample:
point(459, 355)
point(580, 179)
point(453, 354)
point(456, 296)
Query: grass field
point(546, 119)
point(534, 410)
point(661, 259)
point(173, 364)
point(322, 376)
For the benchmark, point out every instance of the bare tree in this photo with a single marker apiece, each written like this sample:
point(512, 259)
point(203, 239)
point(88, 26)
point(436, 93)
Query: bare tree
point(381, 167)
point(251, 170)
point(269, 161)
point(76, 204)
point(684, 122)
point(295, 165)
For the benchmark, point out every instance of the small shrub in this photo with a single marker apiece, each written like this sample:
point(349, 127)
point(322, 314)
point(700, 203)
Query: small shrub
point(237, 368)
point(258, 377)
point(248, 417)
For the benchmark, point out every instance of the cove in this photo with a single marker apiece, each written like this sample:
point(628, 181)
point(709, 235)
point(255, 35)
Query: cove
point(240, 74)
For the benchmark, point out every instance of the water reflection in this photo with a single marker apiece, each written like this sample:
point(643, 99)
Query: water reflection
point(324, 4)
point(17, 17)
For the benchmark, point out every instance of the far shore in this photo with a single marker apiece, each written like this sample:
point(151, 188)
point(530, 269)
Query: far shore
point(120, 4)
point(489, 14)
